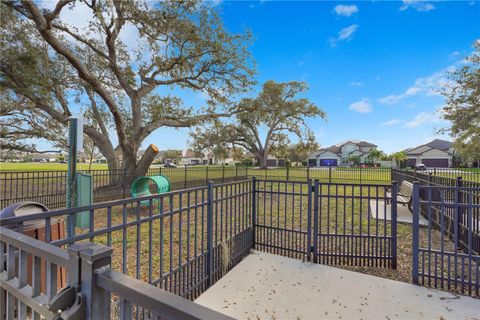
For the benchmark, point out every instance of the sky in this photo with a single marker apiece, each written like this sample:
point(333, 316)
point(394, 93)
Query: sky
point(375, 67)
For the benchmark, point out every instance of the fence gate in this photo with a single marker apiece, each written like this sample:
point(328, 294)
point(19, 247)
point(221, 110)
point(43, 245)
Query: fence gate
point(337, 224)
point(355, 224)
point(446, 252)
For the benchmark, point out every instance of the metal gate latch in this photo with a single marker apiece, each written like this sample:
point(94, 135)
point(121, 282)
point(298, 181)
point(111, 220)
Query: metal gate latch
point(69, 304)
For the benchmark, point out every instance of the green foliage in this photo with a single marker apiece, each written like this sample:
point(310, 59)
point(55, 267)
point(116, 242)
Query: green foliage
point(128, 88)
point(462, 105)
point(261, 125)
point(375, 155)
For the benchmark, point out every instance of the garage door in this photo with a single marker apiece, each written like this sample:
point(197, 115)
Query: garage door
point(271, 163)
point(312, 162)
point(411, 162)
point(435, 163)
point(328, 162)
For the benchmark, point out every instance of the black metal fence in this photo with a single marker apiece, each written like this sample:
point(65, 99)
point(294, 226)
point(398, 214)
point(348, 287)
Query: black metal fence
point(49, 187)
point(453, 213)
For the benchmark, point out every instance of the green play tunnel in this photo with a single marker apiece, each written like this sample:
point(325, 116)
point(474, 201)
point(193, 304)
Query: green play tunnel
point(141, 187)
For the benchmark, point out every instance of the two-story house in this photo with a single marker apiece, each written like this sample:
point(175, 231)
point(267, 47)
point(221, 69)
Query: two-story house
point(341, 153)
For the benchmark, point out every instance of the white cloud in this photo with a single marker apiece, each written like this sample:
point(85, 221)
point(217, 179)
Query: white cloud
point(418, 5)
point(428, 86)
point(345, 10)
point(423, 118)
point(390, 123)
point(357, 84)
point(346, 34)
point(362, 106)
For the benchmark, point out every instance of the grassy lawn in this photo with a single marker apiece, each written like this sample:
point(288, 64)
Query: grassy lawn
point(36, 166)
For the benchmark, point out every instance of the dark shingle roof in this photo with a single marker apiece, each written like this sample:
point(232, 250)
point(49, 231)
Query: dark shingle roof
point(440, 144)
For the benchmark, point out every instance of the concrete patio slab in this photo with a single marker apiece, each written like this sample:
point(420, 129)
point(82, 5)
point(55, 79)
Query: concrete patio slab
point(403, 214)
point(267, 286)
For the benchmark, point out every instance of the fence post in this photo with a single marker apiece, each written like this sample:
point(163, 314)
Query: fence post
point(223, 173)
point(415, 241)
point(360, 175)
point(95, 257)
point(458, 212)
point(206, 175)
point(394, 223)
point(236, 173)
point(288, 171)
point(185, 178)
point(123, 184)
point(330, 174)
point(254, 209)
point(308, 172)
point(209, 233)
point(314, 247)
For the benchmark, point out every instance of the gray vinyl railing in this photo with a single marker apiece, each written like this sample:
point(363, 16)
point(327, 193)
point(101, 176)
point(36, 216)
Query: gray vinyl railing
point(89, 290)
point(30, 274)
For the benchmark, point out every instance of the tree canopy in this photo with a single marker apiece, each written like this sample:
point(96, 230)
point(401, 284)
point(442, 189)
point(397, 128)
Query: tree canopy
point(263, 122)
point(48, 65)
point(462, 105)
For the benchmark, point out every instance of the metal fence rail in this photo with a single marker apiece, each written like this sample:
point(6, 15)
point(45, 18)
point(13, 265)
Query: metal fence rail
point(451, 213)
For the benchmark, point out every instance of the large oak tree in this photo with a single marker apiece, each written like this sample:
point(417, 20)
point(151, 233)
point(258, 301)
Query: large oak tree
point(264, 122)
point(48, 65)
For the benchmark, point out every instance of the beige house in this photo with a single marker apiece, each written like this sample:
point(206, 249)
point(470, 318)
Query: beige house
point(435, 154)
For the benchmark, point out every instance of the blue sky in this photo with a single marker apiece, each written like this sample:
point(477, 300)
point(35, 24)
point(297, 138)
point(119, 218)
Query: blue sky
point(373, 66)
point(376, 79)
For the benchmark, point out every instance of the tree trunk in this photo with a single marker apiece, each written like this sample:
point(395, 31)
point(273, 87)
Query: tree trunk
point(262, 157)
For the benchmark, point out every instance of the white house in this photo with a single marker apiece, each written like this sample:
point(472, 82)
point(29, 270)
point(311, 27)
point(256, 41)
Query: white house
point(339, 154)
point(435, 154)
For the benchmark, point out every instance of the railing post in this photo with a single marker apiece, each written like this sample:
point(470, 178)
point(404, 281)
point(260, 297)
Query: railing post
point(254, 210)
point(415, 238)
point(95, 258)
point(394, 223)
point(209, 233)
